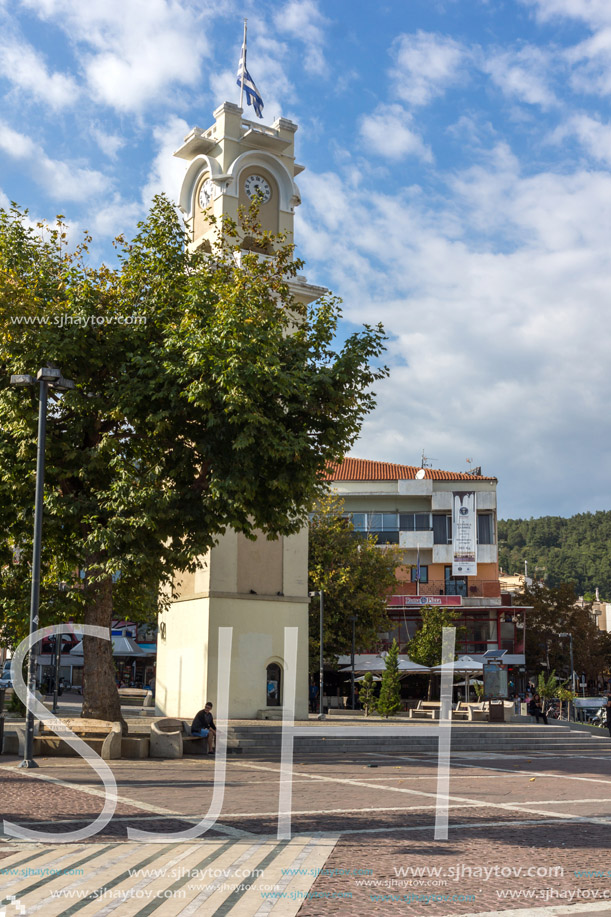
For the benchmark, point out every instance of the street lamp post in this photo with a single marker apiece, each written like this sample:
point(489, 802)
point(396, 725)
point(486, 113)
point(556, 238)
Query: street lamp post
point(570, 636)
point(321, 676)
point(46, 378)
point(353, 619)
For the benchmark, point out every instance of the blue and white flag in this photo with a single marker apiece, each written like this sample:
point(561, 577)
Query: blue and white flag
point(247, 84)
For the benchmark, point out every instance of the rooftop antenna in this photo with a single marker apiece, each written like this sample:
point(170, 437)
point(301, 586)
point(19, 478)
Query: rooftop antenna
point(425, 461)
point(476, 471)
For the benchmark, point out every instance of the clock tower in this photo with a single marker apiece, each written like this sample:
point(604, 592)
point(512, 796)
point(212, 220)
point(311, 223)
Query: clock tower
point(258, 588)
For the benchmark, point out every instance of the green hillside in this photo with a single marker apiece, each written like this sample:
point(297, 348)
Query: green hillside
point(558, 550)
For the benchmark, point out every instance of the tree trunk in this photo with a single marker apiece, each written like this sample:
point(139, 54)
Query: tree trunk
point(100, 694)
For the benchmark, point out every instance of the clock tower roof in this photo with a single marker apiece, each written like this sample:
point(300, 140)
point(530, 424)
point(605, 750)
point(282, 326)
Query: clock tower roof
point(230, 164)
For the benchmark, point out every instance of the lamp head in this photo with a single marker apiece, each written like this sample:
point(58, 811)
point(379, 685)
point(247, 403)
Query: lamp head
point(22, 380)
point(63, 385)
point(46, 374)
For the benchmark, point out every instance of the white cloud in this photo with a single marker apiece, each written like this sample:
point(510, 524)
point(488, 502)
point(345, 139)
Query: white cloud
point(389, 133)
point(115, 217)
point(167, 171)
point(591, 62)
point(60, 180)
point(594, 136)
point(522, 75)
point(498, 312)
point(26, 69)
point(303, 21)
point(110, 144)
point(593, 12)
point(132, 52)
point(425, 64)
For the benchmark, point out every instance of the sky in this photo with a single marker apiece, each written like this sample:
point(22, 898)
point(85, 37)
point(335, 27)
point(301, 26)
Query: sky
point(457, 189)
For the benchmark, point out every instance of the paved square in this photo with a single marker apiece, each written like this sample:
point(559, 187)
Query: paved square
point(528, 834)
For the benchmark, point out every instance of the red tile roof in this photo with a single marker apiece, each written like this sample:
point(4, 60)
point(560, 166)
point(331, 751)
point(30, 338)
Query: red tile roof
point(353, 469)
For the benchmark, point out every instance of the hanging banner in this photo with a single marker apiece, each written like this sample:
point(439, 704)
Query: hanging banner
point(464, 533)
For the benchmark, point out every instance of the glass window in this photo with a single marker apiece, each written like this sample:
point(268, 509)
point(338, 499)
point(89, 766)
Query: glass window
point(415, 522)
point(485, 528)
point(376, 522)
point(359, 521)
point(424, 574)
point(442, 529)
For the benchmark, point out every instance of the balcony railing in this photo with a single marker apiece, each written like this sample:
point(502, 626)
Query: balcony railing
point(473, 588)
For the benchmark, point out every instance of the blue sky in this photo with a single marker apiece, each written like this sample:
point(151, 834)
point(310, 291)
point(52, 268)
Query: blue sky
point(457, 189)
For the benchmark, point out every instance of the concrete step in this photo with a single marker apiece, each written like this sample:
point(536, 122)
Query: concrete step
point(495, 738)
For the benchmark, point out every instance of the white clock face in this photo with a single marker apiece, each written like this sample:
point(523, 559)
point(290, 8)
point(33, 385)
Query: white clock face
point(205, 194)
point(257, 188)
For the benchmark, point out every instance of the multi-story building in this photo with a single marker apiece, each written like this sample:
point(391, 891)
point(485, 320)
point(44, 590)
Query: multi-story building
point(424, 513)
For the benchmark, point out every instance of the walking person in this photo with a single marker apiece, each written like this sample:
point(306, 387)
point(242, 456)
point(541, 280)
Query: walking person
point(535, 709)
point(203, 725)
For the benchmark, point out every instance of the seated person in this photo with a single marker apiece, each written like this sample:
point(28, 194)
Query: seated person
point(203, 725)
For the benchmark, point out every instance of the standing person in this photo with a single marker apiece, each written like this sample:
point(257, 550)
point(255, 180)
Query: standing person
point(535, 709)
point(608, 711)
point(313, 695)
point(203, 725)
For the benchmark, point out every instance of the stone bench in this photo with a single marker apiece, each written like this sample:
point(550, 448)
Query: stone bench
point(171, 738)
point(426, 709)
point(136, 697)
point(103, 736)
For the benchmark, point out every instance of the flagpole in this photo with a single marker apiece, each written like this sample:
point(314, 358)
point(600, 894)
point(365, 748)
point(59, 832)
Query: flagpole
point(243, 68)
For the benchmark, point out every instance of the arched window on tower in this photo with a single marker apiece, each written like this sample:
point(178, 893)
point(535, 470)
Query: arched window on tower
point(274, 685)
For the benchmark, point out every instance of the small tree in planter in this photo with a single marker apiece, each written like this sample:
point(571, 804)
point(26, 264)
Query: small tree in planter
point(564, 693)
point(389, 701)
point(367, 694)
point(547, 687)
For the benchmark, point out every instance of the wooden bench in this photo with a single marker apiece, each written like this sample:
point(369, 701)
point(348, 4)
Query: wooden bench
point(171, 738)
point(103, 736)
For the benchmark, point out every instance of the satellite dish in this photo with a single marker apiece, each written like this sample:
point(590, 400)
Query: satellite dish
point(420, 474)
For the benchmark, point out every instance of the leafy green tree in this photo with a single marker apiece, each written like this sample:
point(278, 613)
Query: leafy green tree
point(355, 576)
point(367, 695)
point(573, 550)
point(425, 646)
point(206, 398)
point(554, 611)
point(389, 701)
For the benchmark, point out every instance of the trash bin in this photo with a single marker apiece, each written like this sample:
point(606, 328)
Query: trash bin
point(496, 712)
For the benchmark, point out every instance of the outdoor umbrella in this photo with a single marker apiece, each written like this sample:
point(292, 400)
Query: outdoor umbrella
point(464, 665)
point(371, 663)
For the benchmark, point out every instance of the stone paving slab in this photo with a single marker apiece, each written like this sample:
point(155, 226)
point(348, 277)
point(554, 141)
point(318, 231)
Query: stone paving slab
point(204, 877)
point(362, 823)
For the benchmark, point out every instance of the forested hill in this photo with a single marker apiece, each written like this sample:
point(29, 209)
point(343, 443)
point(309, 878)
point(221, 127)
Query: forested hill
point(558, 550)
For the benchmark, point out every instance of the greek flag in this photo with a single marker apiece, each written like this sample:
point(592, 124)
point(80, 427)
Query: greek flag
point(247, 84)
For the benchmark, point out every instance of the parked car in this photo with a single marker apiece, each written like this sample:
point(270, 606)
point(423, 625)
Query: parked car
point(5, 677)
